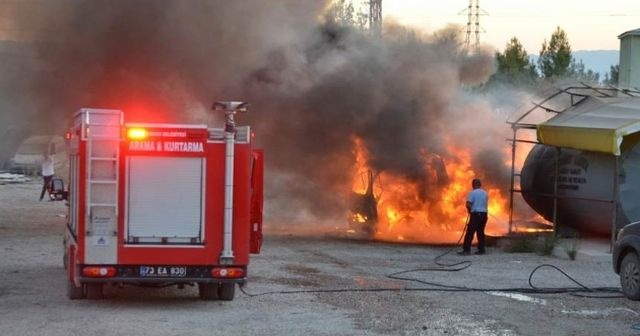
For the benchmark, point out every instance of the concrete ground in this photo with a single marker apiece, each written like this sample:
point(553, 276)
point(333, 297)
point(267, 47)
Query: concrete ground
point(312, 285)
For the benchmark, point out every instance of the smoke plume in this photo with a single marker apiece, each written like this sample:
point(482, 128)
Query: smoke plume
point(314, 86)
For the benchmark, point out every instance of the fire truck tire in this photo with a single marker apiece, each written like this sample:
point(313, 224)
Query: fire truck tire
point(94, 291)
point(208, 291)
point(74, 292)
point(227, 291)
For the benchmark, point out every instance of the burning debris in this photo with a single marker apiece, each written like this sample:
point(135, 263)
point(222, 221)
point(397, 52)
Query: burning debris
point(364, 210)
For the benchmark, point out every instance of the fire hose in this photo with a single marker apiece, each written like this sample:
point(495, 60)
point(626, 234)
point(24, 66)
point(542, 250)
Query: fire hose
point(438, 287)
point(459, 266)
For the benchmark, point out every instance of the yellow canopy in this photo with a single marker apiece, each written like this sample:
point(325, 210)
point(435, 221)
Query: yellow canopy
point(595, 124)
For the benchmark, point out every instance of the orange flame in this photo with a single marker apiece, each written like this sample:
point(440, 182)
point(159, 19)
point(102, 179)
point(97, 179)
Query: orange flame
point(438, 214)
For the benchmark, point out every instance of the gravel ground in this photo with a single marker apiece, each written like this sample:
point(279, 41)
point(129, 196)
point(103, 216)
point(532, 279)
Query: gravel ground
point(33, 298)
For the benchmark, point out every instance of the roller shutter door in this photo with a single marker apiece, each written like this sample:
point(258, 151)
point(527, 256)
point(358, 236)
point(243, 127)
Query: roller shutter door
point(165, 200)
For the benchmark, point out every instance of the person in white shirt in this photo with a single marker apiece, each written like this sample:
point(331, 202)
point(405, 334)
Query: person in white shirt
point(47, 173)
point(477, 206)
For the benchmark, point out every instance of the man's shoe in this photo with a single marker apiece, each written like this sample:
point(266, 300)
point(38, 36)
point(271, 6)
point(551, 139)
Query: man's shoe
point(464, 253)
point(479, 252)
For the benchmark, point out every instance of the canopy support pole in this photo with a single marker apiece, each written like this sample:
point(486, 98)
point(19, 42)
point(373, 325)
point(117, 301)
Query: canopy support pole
point(556, 155)
point(513, 171)
point(615, 200)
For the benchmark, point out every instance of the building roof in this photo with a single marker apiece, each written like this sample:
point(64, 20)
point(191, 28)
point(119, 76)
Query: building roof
point(635, 32)
point(595, 124)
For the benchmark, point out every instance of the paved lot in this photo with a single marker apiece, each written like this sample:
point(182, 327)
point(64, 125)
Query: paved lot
point(305, 284)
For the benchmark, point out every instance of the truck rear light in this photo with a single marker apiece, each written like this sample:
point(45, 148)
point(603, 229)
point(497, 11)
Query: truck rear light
point(227, 272)
point(137, 133)
point(99, 272)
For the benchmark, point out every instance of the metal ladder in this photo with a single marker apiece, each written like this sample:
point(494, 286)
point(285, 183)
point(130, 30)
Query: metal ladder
point(103, 159)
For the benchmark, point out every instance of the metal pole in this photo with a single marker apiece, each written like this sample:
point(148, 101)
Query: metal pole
point(226, 256)
point(555, 191)
point(513, 163)
point(230, 108)
point(615, 198)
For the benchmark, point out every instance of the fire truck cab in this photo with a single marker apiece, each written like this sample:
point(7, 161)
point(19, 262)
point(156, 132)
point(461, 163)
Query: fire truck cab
point(160, 204)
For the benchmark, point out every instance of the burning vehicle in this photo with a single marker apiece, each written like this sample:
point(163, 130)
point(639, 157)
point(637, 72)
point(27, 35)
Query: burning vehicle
point(388, 207)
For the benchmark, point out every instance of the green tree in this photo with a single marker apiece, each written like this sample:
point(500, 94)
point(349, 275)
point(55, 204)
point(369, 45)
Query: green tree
point(579, 72)
point(555, 57)
point(611, 78)
point(342, 12)
point(514, 66)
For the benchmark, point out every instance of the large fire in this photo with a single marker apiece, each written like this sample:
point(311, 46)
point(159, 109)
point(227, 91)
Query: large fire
point(435, 215)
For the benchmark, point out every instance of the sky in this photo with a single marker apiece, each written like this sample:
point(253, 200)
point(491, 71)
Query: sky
point(590, 25)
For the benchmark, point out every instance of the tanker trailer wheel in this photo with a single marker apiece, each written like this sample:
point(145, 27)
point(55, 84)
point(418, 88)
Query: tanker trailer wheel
point(73, 292)
point(227, 291)
point(630, 276)
point(208, 291)
point(94, 291)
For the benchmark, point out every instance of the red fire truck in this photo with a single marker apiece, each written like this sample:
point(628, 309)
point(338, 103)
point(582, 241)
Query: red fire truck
point(161, 204)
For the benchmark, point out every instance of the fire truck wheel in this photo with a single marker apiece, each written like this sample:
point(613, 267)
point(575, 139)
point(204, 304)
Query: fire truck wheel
point(208, 291)
point(73, 292)
point(227, 291)
point(94, 291)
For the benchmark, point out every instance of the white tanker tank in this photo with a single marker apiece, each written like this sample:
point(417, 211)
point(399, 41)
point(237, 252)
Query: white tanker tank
point(585, 187)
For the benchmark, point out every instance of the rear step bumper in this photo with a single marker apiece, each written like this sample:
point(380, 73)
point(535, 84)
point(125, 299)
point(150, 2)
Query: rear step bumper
point(240, 281)
point(162, 273)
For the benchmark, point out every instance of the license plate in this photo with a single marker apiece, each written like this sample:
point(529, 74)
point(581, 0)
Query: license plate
point(163, 271)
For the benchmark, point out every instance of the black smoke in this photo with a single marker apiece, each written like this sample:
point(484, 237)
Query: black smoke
point(313, 85)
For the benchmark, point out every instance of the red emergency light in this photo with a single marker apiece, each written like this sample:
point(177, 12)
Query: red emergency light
point(137, 133)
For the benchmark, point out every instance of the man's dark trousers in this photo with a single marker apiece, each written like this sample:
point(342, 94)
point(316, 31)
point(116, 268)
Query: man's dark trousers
point(46, 180)
point(477, 222)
